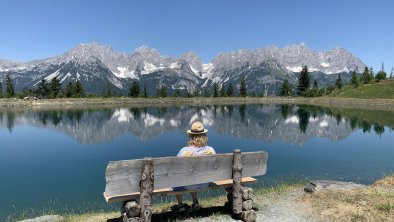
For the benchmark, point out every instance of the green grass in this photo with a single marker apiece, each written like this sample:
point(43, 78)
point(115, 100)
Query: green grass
point(387, 207)
point(380, 90)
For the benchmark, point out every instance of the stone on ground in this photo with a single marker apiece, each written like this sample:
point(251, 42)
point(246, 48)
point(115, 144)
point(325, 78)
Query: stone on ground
point(46, 218)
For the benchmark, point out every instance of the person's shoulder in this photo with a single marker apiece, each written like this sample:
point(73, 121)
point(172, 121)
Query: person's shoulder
point(211, 149)
point(183, 151)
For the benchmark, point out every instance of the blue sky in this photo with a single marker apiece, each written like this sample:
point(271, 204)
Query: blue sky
point(44, 28)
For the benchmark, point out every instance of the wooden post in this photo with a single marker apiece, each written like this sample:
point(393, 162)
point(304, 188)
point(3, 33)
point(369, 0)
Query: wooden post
point(146, 190)
point(237, 176)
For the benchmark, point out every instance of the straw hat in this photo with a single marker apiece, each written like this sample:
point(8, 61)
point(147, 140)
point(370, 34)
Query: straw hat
point(197, 128)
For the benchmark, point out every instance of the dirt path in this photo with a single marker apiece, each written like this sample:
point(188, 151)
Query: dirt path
point(273, 207)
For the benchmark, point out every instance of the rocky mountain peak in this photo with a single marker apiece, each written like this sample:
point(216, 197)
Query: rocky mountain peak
point(193, 59)
point(146, 51)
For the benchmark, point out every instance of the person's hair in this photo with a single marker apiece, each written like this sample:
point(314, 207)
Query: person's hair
point(198, 140)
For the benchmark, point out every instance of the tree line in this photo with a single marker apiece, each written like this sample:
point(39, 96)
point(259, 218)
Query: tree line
point(54, 88)
point(44, 89)
point(305, 89)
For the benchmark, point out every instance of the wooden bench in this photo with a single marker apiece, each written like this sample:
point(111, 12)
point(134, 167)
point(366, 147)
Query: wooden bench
point(143, 178)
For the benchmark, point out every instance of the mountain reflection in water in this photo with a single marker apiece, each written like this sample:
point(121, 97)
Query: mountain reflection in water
point(289, 123)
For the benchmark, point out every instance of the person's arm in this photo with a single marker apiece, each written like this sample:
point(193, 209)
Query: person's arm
point(181, 152)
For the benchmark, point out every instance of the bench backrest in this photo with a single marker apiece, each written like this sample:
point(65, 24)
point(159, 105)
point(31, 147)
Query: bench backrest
point(123, 177)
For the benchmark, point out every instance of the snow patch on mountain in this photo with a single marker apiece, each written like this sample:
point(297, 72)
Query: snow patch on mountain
point(149, 68)
point(207, 70)
point(294, 69)
point(124, 72)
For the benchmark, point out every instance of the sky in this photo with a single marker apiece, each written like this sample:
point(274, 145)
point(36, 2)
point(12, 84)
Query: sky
point(37, 29)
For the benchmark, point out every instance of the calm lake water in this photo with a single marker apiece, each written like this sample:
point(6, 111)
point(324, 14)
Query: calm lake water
point(56, 159)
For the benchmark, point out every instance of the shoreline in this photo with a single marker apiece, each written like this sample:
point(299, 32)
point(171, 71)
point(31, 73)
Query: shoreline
point(383, 104)
point(330, 201)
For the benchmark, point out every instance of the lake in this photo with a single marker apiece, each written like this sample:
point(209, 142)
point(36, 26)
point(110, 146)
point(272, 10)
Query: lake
point(56, 159)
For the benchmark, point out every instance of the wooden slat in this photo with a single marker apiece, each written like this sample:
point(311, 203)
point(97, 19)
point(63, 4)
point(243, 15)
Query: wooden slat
point(170, 191)
point(123, 176)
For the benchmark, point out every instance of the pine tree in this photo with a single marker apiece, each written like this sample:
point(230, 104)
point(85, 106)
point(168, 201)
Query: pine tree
point(177, 93)
point(9, 86)
point(392, 72)
point(134, 90)
point(215, 90)
point(163, 91)
point(230, 89)
point(222, 91)
point(285, 90)
point(367, 76)
point(107, 90)
point(43, 88)
point(1, 89)
point(196, 91)
point(338, 83)
point(242, 88)
point(303, 81)
point(69, 90)
point(354, 79)
point(315, 86)
point(207, 93)
point(55, 87)
point(381, 74)
point(145, 93)
point(79, 91)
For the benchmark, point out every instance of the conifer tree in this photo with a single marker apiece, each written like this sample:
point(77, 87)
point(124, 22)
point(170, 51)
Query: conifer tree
point(215, 90)
point(303, 80)
point(367, 76)
point(55, 87)
point(43, 88)
point(381, 74)
point(145, 93)
point(392, 72)
point(107, 90)
point(354, 79)
point(177, 93)
point(1, 89)
point(69, 90)
point(338, 83)
point(222, 91)
point(79, 91)
point(9, 86)
point(207, 93)
point(134, 90)
point(230, 89)
point(196, 91)
point(315, 86)
point(285, 89)
point(162, 91)
point(242, 88)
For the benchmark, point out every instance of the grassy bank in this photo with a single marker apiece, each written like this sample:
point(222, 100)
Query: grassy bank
point(382, 89)
point(374, 203)
point(371, 203)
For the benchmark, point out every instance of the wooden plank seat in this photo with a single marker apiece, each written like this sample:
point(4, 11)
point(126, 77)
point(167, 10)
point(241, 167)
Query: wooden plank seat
point(169, 191)
point(129, 179)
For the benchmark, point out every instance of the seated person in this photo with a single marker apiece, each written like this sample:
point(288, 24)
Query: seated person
point(197, 146)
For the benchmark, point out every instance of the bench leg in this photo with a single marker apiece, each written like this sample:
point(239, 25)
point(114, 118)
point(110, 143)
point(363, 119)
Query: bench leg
point(237, 176)
point(146, 190)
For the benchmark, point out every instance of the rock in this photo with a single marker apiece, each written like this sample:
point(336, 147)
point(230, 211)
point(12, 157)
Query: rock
point(46, 218)
point(320, 185)
point(132, 208)
point(247, 193)
point(248, 216)
point(247, 205)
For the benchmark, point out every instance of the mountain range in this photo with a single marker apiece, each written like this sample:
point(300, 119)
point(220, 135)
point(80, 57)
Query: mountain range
point(264, 69)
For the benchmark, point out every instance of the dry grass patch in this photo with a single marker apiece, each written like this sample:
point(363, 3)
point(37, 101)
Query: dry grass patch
point(365, 204)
